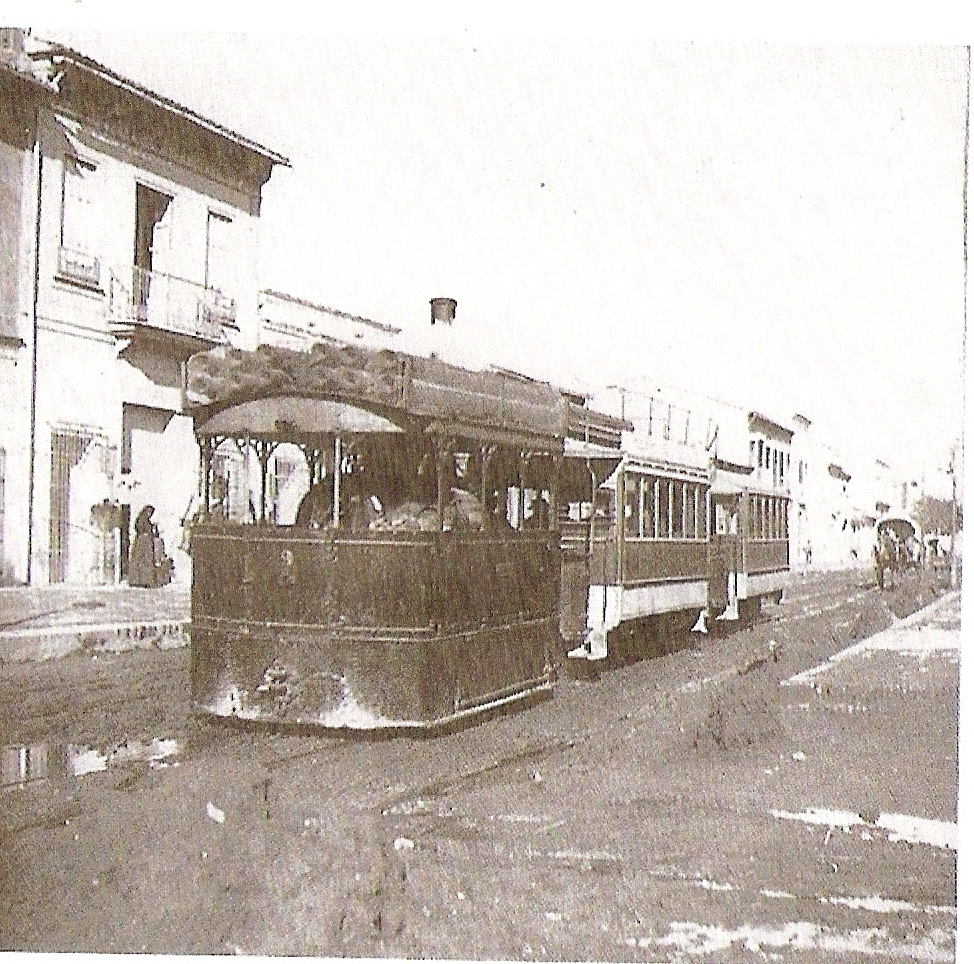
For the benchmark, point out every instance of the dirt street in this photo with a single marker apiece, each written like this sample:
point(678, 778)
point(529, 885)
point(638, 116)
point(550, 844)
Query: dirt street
point(676, 808)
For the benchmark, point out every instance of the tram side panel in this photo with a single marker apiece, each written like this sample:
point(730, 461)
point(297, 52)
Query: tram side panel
point(766, 556)
point(371, 630)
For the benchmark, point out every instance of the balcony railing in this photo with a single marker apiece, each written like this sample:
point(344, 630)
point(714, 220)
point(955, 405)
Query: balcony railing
point(78, 267)
point(167, 303)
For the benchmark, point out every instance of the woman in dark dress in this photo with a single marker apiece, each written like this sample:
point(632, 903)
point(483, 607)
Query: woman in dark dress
point(142, 560)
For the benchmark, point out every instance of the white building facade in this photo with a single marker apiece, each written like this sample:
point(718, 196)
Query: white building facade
point(146, 228)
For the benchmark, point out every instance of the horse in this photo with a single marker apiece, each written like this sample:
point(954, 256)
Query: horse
point(887, 556)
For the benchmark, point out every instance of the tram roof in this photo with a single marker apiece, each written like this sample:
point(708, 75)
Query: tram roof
point(279, 392)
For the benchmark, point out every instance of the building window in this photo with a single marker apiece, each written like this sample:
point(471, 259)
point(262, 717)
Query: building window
point(78, 216)
point(77, 257)
point(219, 253)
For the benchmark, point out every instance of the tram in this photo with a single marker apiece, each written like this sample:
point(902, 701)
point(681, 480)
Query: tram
point(678, 539)
point(418, 581)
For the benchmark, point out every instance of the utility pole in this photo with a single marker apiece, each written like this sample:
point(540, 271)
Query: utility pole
point(953, 519)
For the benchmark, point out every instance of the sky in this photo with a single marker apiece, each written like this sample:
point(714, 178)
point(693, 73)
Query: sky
point(777, 225)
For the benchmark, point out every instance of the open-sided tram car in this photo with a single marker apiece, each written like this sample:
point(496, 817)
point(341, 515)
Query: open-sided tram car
point(419, 581)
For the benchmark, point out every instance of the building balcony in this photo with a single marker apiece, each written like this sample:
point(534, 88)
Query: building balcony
point(152, 307)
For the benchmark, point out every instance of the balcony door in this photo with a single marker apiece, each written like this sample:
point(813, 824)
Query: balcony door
point(153, 219)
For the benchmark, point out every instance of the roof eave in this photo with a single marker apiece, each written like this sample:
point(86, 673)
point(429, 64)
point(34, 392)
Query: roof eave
point(45, 85)
point(59, 54)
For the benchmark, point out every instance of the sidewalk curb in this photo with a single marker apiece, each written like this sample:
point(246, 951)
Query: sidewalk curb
point(42, 643)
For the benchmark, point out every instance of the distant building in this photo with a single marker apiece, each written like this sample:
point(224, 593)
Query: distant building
point(142, 219)
point(291, 322)
point(824, 523)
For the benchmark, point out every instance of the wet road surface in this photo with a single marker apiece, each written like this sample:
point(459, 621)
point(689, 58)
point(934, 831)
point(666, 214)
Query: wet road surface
point(685, 807)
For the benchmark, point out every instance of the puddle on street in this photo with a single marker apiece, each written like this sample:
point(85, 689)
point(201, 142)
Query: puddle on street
point(697, 939)
point(898, 826)
point(39, 763)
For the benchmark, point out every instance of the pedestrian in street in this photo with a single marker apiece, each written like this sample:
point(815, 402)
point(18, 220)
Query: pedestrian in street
point(142, 560)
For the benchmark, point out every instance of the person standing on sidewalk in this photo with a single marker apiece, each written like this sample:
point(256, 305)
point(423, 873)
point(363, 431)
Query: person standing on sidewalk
point(144, 569)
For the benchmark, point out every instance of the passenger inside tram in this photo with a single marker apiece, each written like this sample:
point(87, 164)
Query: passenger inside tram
point(391, 485)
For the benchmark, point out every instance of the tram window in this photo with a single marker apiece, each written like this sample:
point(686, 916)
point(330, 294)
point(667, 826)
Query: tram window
point(630, 506)
point(678, 511)
point(648, 507)
point(720, 519)
point(659, 528)
point(697, 517)
point(669, 509)
point(642, 507)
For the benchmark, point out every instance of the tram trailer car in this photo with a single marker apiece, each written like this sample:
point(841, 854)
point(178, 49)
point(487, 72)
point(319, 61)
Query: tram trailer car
point(676, 539)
